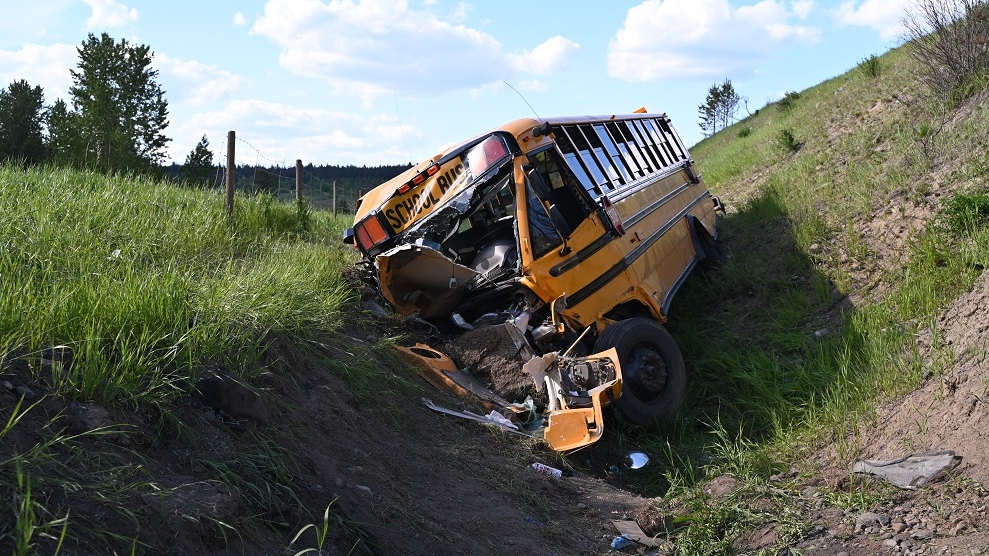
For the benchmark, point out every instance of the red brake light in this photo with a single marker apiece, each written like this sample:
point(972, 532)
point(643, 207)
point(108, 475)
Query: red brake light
point(370, 232)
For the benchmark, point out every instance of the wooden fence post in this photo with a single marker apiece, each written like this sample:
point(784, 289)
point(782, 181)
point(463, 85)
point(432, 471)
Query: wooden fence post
point(298, 179)
point(231, 172)
point(334, 198)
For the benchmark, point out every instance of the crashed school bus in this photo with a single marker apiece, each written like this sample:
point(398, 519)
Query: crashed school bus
point(569, 234)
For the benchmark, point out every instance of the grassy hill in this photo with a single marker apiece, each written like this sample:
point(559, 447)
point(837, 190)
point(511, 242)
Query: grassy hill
point(858, 211)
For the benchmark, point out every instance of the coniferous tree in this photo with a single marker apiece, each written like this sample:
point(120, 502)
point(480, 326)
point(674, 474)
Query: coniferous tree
point(120, 108)
point(22, 122)
point(719, 108)
point(198, 169)
point(708, 111)
point(64, 140)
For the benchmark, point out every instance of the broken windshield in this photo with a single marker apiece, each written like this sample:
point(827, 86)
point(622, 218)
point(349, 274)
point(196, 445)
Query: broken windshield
point(484, 198)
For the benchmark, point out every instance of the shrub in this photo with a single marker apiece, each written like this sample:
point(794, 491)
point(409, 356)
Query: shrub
point(871, 66)
point(964, 212)
point(949, 40)
point(744, 132)
point(788, 101)
point(787, 141)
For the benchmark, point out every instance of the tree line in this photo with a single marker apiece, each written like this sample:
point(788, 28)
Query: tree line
point(115, 121)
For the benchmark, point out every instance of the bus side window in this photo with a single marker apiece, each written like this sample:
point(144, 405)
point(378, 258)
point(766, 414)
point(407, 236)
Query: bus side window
point(564, 191)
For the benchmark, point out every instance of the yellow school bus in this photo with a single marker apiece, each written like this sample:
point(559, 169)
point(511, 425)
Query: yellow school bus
point(574, 233)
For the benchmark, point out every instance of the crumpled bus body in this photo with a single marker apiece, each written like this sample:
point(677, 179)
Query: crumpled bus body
point(553, 230)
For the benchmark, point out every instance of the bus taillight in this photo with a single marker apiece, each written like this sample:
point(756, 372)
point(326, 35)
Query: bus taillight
point(369, 232)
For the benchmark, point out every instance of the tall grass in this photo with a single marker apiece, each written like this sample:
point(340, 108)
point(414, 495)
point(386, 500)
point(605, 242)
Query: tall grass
point(143, 281)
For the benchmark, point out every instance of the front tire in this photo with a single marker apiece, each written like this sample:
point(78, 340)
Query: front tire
point(653, 372)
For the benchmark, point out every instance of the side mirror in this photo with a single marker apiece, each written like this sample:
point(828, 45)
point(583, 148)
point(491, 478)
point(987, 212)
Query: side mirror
point(538, 184)
point(559, 222)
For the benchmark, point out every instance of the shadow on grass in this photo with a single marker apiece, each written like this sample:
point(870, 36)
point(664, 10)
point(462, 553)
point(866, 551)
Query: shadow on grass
point(755, 334)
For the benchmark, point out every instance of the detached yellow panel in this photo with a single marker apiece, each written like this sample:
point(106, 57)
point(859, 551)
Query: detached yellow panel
point(440, 371)
point(433, 366)
point(570, 429)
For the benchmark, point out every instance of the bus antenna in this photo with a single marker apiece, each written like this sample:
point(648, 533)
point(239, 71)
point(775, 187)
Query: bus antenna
point(523, 99)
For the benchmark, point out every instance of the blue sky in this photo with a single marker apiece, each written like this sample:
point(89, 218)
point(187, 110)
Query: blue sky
point(371, 82)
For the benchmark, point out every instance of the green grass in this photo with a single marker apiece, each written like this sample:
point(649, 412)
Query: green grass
point(144, 281)
point(140, 283)
point(779, 363)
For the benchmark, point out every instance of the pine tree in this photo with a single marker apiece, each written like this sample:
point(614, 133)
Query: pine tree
point(121, 109)
point(709, 112)
point(198, 169)
point(22, 121)
point(719, 108)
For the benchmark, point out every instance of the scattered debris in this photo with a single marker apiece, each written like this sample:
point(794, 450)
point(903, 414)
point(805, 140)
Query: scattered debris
point(534, 521)
point(631, 530)
point(911, 471)
point(486, 419)
point(618, 543)
point(547, 470)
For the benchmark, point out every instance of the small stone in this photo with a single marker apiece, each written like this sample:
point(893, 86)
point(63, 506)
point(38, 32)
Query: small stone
point(25, 392)
point(869, 520)
point(318, 487)
point(340, 482)
point(891, 542)
point(364, 489)
point(581, 506)
point(958, 528)
point(822, 333)
point(921, 534)
point(899, 527)
point(842, 553)
point(6, 385)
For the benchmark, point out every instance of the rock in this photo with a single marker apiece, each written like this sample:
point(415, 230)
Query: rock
point(340, 482)
point(958, 528)
point(89, 417)
point(891, 542)
point(25, 392)
point(223, 390)
point(364, 489)
point(899, 527)
point(869, 519)
point(721, 486)
point(921, 534)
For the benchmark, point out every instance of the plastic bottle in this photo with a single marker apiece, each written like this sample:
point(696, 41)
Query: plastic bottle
point(540, 468)
point(621, 542)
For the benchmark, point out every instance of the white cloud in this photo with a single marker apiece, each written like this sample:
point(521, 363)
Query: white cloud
point(884, 16)
point(47, 66)
point(710, 38)
point(276, 133)
point(205, 83)
point(802, 8)
point(108, 14)
point(371, 48)
point(239, 19)
point(547, 57)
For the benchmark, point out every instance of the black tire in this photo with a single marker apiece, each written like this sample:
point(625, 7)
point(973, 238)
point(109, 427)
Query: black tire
point(653, 373)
